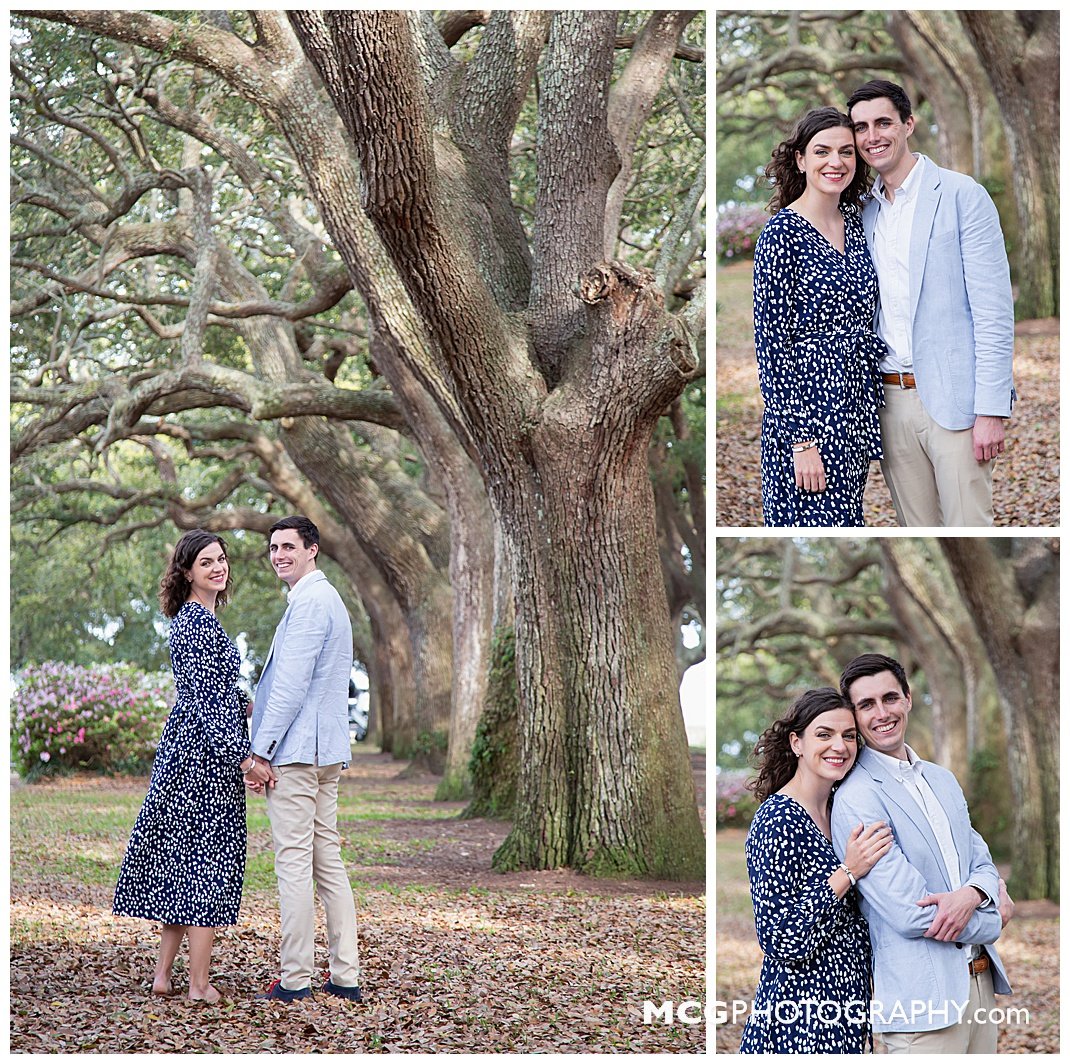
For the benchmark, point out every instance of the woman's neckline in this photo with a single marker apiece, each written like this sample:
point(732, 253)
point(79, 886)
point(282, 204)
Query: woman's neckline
point(799, 214)
point(805, 810)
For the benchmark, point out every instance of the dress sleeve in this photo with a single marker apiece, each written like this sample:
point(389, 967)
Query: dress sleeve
point(198, 660)
point(795, 909)
point(775, 278)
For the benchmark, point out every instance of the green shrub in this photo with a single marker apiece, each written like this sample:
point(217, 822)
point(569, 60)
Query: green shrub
point(105, 718)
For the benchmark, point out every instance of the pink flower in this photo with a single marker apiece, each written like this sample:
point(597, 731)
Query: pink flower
point(45, 755)
point(80, 737)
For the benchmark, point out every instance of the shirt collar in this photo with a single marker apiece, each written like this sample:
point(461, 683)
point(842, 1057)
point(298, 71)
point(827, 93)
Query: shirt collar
point(909, 185)
point(304, 583)
point(900, 768)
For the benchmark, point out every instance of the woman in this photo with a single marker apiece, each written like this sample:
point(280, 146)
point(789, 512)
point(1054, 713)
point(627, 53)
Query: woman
point(815, 293)
point(186, 856)
point(814, 992)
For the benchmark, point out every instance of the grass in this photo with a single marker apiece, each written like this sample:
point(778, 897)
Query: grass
point(88, 836)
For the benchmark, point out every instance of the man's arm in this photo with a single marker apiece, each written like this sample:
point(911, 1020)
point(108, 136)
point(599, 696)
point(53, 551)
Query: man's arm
point(988, 290)
point(294, 663)
point(894, 886)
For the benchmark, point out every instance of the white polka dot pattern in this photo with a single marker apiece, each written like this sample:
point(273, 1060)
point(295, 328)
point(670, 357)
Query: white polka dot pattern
point(817, 367)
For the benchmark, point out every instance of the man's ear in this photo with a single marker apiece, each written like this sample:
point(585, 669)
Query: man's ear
point(314, 549)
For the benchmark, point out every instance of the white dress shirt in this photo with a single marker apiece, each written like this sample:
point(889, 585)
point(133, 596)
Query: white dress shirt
point(909, 773)
point(891, 257)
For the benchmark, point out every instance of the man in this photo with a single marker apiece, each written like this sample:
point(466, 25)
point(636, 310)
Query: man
point(934, 903)
point(301, 727)
point(946, 314)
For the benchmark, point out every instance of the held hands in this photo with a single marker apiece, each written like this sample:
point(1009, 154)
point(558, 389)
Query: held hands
point(866, 846)
point(953, 911)
point(809, 471)
point(987, 437)
point(259, 776)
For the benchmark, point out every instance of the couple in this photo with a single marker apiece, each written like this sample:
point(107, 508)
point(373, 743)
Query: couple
point(864, 867)
point(923, 260)
point(185, 860)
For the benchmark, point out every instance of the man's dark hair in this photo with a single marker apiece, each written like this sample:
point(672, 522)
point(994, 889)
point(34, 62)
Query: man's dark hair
point(875, 90)
point(308, 532)
point(870, 665)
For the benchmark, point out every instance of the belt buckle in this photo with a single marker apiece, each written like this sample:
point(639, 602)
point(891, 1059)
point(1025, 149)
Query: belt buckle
point(902, 382)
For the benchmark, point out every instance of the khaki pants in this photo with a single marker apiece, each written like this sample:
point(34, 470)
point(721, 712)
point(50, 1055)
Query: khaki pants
point(965, 1037)
point(303, 810)
point(931, 471)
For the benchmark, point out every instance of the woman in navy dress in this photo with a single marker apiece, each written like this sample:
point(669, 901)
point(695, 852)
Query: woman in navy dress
point(814, 992)
point(185, 861)
point(815, 294)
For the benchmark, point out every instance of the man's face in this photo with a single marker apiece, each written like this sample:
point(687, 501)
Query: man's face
point(881, 710)
point(290, 558)
point(881, 135)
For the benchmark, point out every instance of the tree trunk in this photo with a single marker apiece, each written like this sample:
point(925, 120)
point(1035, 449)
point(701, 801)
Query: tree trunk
point(1012, 589)
point(1020, 52)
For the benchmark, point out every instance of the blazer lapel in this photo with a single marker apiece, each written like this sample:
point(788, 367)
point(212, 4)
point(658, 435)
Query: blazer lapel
point(897, 793)
point(924, 216)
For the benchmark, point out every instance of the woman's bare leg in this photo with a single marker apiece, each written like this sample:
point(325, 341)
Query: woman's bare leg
point(170, 944)
point(200, 959)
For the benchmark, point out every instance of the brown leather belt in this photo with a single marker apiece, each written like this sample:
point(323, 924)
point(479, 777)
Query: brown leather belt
point(980, 964)
point(903, 380)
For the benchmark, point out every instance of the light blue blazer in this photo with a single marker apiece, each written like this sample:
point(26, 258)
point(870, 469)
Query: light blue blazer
point(919, 984)
point(301, 708)
point(960, 298)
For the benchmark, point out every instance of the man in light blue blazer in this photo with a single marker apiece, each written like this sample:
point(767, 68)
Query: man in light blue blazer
point(301, 728)
point(946, 314)
point(935, 903)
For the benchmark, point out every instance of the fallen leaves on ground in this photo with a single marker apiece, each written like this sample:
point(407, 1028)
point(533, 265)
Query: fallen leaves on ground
point(529, 962)
point(1025, 486)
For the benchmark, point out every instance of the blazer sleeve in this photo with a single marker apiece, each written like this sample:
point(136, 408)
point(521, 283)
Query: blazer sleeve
point(295, 658)
point(794, 915)
point(774, 292)
point(893, 885)
point(988, 290)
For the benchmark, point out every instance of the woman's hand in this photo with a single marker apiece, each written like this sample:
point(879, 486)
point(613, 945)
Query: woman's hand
point(866, 846)
point(809, 472)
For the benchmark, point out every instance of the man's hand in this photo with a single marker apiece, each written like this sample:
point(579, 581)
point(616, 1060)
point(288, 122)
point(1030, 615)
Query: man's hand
point(1006, 906)
point(987, 437)
point(953, 911)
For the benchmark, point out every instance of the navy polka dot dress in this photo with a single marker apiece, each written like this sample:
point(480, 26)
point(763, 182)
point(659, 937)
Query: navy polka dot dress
point(817, 367)
point(186, 856)
point(816, 946)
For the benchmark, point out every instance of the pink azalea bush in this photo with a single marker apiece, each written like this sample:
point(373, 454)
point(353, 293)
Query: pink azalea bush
point(735, 804)
point(737, 231)
point(105, 718)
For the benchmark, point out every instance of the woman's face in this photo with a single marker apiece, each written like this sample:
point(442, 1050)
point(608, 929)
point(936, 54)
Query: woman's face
point(829, 745)
point(209, 572)
point(829, 161)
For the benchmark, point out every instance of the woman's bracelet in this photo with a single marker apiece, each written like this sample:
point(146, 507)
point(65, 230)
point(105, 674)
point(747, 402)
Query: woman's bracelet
point(798, 448)
point(252, 765)
point(850, 875)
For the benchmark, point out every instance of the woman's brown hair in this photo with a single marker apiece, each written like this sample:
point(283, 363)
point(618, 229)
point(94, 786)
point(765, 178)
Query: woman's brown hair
point(174, 585)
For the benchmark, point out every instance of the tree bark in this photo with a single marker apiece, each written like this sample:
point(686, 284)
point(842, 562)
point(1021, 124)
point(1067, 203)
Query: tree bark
point(1012, 589)
point(1020, 52)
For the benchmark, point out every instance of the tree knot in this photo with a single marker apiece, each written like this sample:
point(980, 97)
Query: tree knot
point(616, 280)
